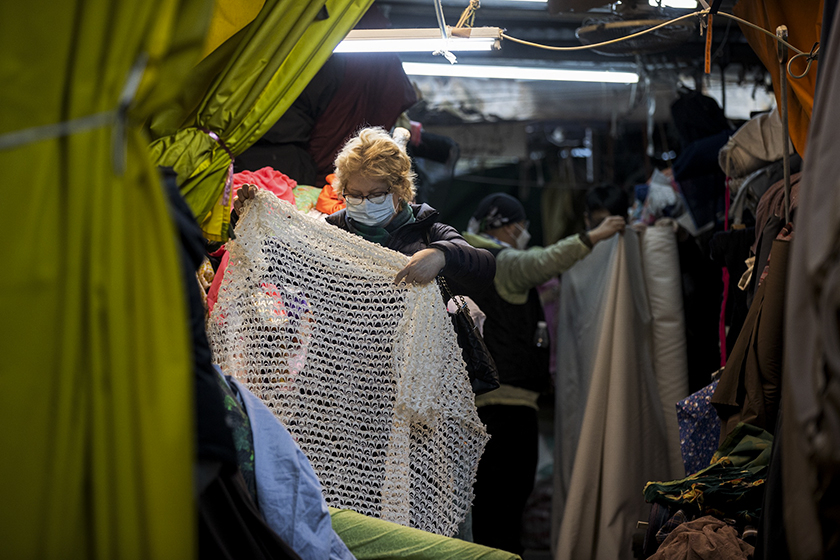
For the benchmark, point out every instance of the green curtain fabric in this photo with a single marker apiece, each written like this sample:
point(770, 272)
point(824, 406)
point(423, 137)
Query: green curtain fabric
point(95, 377)
point(373, 539)
point(239, 91)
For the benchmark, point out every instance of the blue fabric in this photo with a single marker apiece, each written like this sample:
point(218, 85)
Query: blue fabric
point(288, 490)
point(699, 429)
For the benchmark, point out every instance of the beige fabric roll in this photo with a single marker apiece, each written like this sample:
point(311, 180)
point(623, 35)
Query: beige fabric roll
point(622, 437)
point(661, 265)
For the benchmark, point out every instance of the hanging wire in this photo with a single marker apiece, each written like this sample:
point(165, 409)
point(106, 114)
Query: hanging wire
point(720, 48)
point(759, 28)
point(699, 14)
point(810, 57)
point(604, 43)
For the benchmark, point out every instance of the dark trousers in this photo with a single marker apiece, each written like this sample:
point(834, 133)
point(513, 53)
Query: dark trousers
point(505, 477)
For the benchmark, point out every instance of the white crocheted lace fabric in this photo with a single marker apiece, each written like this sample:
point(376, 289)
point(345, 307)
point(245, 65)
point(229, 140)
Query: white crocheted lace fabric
point(367, 376)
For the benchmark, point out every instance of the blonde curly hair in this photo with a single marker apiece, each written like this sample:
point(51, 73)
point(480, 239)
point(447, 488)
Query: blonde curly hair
point(373, 154)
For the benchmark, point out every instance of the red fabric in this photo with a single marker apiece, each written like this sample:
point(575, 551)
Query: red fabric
point(374, 92)
point(213, 292)
point(268, 179)
point(416, 132)
point(328, 201)
point(722, 325)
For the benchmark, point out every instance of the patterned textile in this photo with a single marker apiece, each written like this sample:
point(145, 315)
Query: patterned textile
point(732, 486)
point(699, 428)
point(367, 376)
point(306, 197)
point(243, 439)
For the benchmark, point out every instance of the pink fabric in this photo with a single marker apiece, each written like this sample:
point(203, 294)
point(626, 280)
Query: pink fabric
point(268, 179)
point(213, 293)
point(722, 324)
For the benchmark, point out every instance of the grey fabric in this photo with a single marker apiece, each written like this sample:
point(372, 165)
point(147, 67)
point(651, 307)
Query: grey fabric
point(811, 380)
point(578, 325)
point(610, 429)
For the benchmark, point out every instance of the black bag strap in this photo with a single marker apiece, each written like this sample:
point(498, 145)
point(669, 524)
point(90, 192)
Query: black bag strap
point(459, 300)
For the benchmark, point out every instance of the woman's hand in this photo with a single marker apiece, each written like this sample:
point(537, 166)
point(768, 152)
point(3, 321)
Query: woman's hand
point(244, 193)
point(607, 229)
point(422, 267)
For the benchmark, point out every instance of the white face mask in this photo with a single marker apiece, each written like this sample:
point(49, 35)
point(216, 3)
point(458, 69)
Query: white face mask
point(523, 238)
point(371, 213)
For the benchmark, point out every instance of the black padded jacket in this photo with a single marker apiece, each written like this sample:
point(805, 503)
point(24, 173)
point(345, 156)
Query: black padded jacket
point(467, 270)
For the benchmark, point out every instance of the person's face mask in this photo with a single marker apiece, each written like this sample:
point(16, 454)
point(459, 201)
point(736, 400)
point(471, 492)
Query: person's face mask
point(372, 213)
point(523, 237)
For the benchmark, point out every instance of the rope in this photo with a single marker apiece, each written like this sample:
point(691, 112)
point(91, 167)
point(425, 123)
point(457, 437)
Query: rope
point(468, 17)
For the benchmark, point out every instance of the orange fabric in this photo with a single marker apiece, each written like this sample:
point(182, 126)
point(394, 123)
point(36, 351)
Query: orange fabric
point(804, 22)
point(328, 201)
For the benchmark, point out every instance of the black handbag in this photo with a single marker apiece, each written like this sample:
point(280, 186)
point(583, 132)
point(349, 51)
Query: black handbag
point(480, 364)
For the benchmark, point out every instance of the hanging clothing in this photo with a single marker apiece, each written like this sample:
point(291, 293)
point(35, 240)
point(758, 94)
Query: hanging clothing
point(772, 204)
point(750, 385)
point(811, 383)
point(731, 249)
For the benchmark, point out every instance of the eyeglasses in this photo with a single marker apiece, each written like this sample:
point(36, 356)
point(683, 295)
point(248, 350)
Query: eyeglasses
point(523, 226)
point(355, 200)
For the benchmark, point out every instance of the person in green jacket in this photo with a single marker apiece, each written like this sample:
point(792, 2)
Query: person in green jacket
point(507, 468)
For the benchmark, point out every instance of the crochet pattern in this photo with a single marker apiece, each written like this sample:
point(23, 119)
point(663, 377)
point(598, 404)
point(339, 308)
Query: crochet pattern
point(367, 376)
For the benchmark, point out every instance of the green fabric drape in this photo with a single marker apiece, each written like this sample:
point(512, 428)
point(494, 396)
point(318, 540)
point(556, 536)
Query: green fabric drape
point(95, 377)
point(369, 538)
point(239, 91)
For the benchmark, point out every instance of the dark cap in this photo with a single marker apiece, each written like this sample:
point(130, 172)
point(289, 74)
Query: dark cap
point(496, 210)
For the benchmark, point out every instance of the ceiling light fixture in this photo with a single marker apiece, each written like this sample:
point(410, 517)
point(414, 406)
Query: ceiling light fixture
point(682, 4)
point(420, 40)
point(519, 73)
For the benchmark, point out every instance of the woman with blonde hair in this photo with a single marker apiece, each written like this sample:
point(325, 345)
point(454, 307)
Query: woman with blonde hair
point(374, 177)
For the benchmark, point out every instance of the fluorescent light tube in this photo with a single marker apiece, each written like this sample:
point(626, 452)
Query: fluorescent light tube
point(414, 45)
point(419, 40)
point(519, 73)
point(683, 4)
